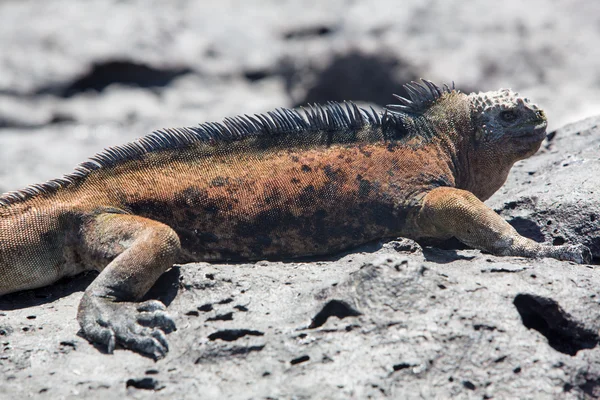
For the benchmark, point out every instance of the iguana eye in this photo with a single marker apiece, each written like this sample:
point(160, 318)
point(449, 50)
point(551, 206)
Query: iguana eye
point(508, 116)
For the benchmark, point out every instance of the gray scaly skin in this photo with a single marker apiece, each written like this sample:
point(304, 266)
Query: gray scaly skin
point(279, 185)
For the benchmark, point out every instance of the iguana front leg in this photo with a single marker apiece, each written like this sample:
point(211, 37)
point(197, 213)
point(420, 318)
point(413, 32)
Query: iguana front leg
point(454, 212)
point(131, 252)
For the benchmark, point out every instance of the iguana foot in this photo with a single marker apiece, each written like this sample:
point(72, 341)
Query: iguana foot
point(578, 253)
point(140, 327)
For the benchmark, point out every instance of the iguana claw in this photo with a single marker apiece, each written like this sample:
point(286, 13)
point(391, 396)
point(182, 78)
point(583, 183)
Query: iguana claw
point(578, 253)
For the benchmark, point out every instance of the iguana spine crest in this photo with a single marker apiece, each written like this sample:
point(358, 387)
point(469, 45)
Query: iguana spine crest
point(422, 96)
point(332, 117)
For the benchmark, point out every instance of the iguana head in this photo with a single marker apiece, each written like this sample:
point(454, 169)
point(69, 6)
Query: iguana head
point(490, 130)
point(507, 122)
point(503, 121)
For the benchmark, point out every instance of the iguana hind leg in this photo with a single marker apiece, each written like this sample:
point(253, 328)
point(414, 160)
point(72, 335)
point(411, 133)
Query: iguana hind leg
point(454, 212)
point(131, 252)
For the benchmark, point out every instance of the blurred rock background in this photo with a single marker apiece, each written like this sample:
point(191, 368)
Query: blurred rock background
point(77, 76)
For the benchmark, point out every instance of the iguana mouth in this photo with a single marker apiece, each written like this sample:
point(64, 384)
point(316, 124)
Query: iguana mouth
point(537, 134)
point(540, 129)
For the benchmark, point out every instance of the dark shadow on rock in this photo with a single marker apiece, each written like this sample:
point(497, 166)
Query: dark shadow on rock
point(527, 228)
point(563, 332)
point(254, 75)
point(230, 335)
point(166, 287)
point(448, 244)
point(442, 256)
point(124, 72)
point(370, 247)
point(333, 308)
point(210, 355)
point(587, 383)
point(47, 294)
point(146, 383)
point(594, 245)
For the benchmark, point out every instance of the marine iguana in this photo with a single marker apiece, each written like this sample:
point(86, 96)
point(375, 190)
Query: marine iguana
point(283, 184)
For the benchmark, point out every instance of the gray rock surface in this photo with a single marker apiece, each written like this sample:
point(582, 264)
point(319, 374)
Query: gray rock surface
point(388, 320)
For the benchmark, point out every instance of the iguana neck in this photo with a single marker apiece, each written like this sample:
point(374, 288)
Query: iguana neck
point(447, 124)
point(486, 172)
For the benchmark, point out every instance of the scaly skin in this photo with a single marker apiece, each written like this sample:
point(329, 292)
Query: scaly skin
point(422, 171)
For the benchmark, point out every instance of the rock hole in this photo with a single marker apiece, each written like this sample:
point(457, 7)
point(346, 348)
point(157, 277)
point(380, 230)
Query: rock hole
point(59, 118)
point(401, 366)
point(479, 327)
point(230, 335)
point(205, 307)
point(308, 32)
point(591, 387)
point(257, 75)
point(144, 383)
point(244, 350)
point(468, 385)
point(334, 308)
point(226, 352)
point(527, 228)
point(564, 334)
point(567, 387)
point(558, 241)
point(221, 317)
point(299, 360)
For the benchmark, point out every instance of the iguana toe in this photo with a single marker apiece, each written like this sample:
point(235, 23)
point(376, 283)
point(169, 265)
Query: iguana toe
point(578, 253)
point(146, 341)
point(155, 319)
point(585, 254)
